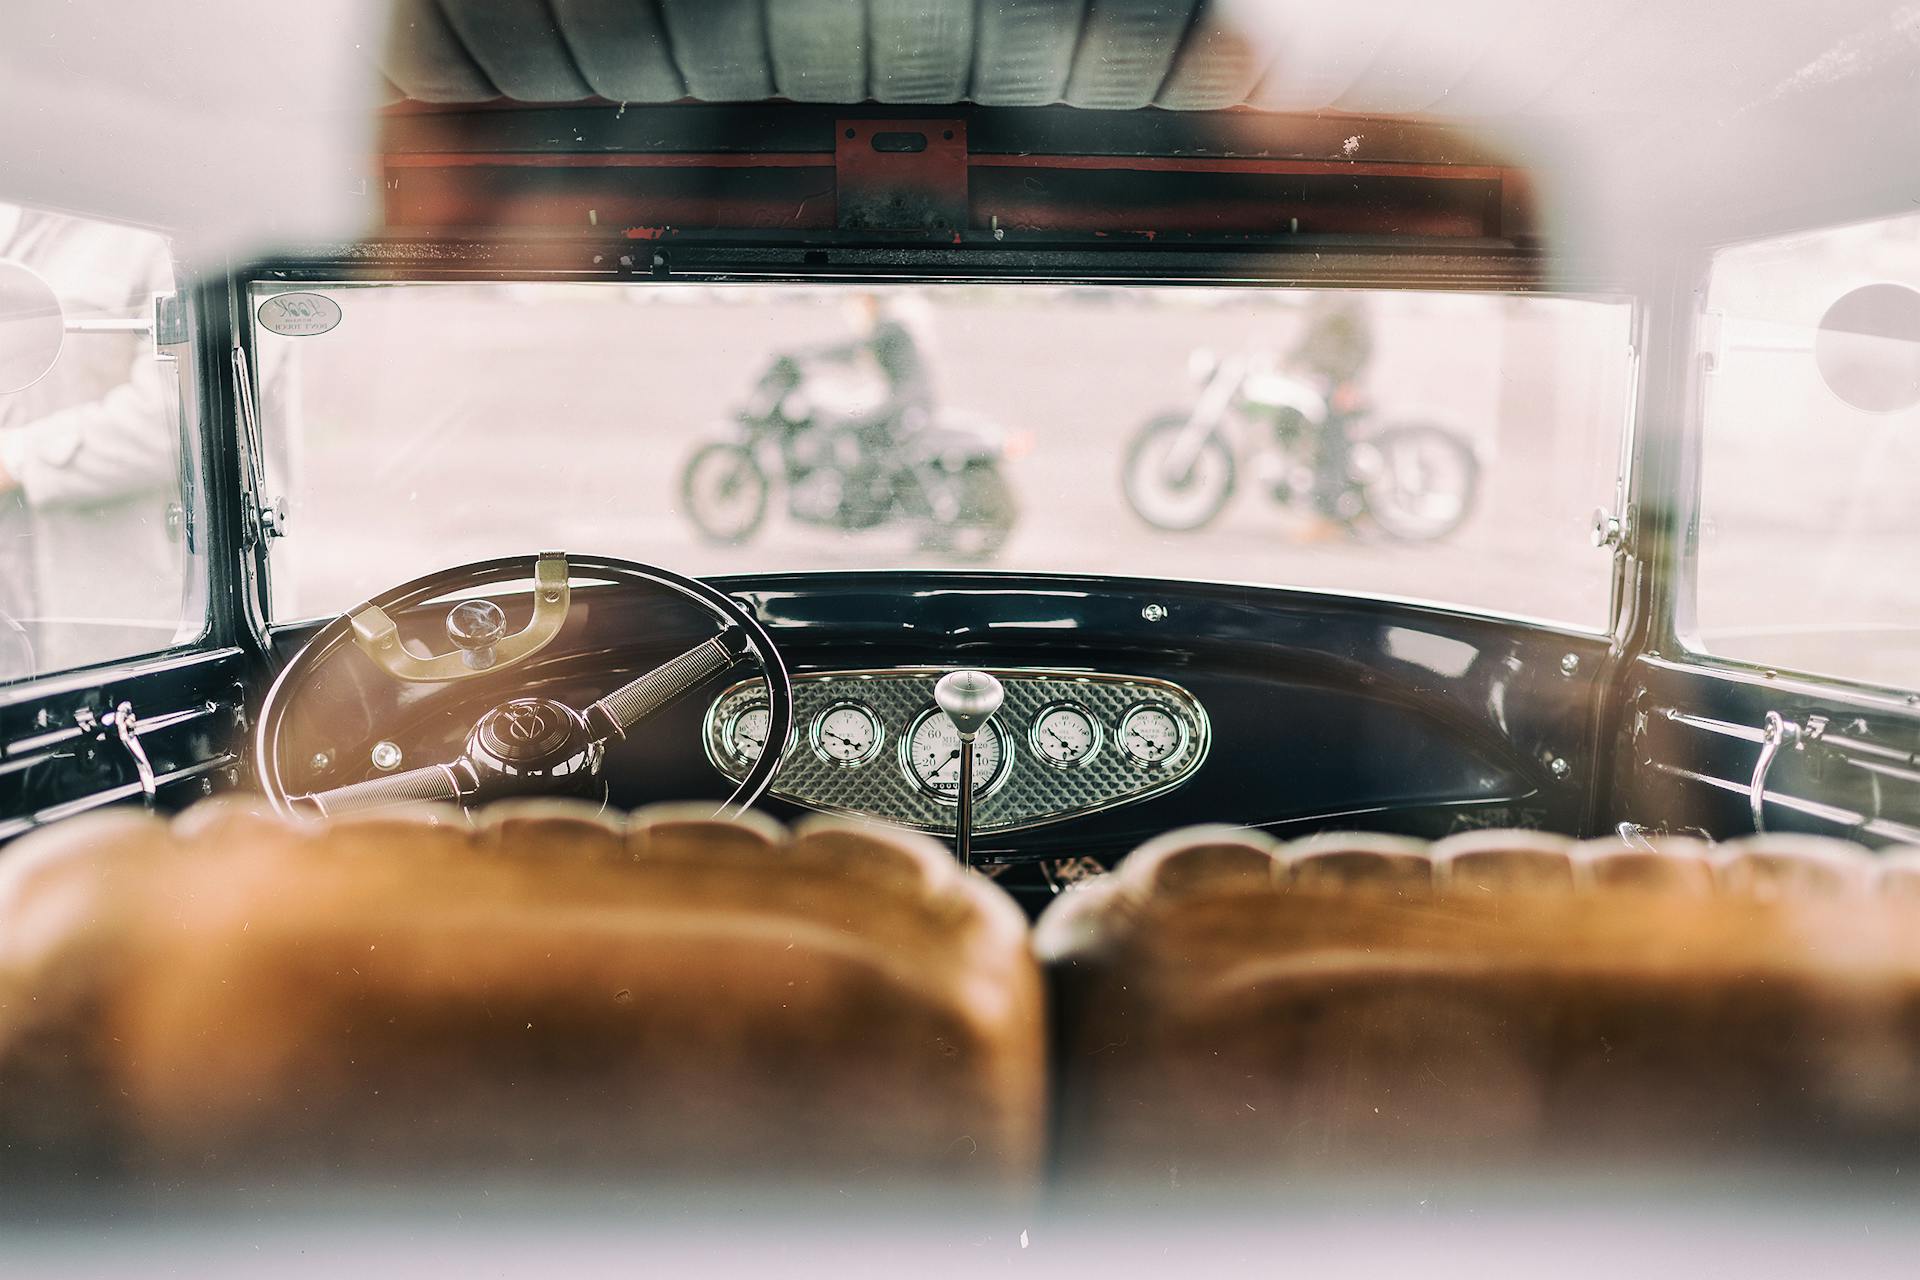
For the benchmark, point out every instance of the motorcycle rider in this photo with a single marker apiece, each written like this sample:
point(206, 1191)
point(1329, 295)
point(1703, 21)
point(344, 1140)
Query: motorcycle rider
point(885, 332)
point(1335, 349)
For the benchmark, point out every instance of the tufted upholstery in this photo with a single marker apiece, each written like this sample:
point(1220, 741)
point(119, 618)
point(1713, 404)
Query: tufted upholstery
point(548, 992)
point(1496, 997)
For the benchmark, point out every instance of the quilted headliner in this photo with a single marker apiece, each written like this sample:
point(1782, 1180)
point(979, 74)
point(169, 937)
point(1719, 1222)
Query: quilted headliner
point(1465, 59)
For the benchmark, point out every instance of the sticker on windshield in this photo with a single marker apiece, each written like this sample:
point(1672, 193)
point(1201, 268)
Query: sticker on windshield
point(299, 315)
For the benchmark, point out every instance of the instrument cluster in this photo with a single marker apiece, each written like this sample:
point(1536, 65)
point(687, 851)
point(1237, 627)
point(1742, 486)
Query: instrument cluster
point(873, 744)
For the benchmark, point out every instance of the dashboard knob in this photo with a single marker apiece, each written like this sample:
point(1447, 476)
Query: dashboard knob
point(475, 627)
point(969, 698)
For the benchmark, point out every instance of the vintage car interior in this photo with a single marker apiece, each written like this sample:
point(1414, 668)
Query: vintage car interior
point(466, 800)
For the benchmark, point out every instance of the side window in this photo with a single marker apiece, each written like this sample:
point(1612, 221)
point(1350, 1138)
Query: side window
point(1810, 470)
point(94, 546)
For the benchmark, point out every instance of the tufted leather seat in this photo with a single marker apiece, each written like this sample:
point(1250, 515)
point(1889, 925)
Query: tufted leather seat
point(1552, 1000)
point(1357, 861)
point(1504, 861)
point(546, 992)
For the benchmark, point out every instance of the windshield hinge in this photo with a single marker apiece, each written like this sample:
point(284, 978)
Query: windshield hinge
point(1712, 340)
point(267, 515)
point(169, 323)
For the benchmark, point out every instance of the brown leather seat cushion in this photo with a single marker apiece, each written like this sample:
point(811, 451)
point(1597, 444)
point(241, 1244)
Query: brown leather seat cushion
point(547, 991)
point(1550, 1002)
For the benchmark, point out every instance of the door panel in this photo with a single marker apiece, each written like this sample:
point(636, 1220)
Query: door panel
point(1845, 764)
point(69, 745)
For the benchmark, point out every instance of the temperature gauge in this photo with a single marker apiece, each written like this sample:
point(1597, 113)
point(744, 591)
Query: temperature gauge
point(1064, 734)
point(1151, 734)
point(846, 733)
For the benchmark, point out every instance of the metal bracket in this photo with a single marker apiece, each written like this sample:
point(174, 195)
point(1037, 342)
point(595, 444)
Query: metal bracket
point(376, 635)
point(906, 175)
point(169, 320)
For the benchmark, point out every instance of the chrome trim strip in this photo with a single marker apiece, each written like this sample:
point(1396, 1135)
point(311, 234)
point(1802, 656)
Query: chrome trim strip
point(126, 791)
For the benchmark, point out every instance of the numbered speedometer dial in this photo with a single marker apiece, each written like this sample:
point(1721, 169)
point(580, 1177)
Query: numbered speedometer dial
point(931, 755)
point(846, 733)
point(1064, 734)
point(1151, 735)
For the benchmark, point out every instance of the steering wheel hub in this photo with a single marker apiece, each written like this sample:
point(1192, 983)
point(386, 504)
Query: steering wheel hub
point(530, 736)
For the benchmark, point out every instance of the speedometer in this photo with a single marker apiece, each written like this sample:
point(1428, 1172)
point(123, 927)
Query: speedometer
point(931, 755)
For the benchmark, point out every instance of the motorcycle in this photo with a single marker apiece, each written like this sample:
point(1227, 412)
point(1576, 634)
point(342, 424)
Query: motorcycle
point(940, 472)
point(1414, 482)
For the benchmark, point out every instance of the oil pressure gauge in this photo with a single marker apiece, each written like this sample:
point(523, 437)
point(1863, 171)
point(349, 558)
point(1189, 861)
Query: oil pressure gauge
point(1151, 735)
point(1064, 734)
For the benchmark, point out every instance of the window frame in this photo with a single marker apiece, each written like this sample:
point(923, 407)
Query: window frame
point(1677, 629)
point(1490, 272)
point(201, 626)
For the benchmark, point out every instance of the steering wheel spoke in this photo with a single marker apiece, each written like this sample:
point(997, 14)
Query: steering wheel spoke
point(429, 782)
point(634, 701)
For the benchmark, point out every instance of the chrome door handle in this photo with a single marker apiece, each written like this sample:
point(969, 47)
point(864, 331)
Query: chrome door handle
point(1779, 732)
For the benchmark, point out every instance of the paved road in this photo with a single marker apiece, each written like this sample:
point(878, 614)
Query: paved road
point(447, 423)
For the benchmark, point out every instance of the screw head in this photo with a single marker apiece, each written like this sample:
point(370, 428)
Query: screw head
point(385, 755)
point(1154, 612)
point(1569, 664)
point(1559, 766)
point(320, 761)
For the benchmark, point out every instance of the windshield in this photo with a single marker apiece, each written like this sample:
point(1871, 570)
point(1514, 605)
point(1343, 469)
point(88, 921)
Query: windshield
point(1445, 447)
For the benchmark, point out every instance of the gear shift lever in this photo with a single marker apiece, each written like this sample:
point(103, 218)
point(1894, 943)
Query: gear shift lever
point(969, 699)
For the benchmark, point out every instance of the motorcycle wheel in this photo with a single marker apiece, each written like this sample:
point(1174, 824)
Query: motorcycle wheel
point(724, 492)
point(1166, 501)
point(1418, 481)
point(986, 512)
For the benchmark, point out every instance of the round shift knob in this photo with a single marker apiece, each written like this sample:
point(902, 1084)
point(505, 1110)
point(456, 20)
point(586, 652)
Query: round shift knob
point(476, 626)
point(968, 698)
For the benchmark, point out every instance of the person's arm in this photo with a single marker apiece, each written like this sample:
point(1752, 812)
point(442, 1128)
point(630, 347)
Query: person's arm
point(119, 444)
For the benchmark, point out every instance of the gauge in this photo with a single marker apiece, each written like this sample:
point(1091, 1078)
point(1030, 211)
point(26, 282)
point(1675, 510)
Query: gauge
point(745, 734)
point(1064, 734)
point(1151, 734)
point(931, 754)
point(846, 733)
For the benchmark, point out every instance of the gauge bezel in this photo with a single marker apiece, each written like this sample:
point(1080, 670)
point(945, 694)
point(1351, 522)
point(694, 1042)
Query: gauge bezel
point(1085, 713)
point(1179, 722)
point(981, 792)
point(731, 720)
point(814, 729)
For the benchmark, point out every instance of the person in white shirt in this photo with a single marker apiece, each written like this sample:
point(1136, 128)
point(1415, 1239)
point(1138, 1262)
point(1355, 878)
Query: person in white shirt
point(91, 548)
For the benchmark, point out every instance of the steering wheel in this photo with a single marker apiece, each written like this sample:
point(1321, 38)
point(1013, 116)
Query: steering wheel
point(528, 744)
